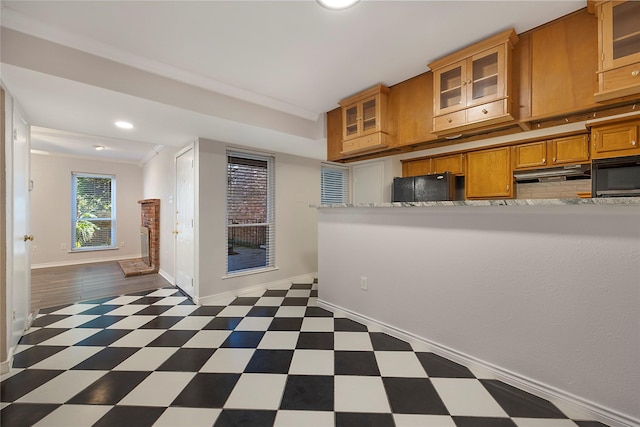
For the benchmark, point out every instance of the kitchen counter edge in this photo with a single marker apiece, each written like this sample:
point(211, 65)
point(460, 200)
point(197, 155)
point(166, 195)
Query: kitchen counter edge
point(617, 201)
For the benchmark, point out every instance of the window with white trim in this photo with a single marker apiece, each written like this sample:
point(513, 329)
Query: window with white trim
point(334, 184)
point(250, 212)
point(93, 211)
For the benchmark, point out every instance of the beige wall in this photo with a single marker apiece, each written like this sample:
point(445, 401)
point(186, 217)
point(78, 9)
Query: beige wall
point(159, 183)
point(51, 209)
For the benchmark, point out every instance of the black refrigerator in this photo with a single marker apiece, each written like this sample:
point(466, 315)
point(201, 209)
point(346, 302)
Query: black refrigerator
point(427, 188)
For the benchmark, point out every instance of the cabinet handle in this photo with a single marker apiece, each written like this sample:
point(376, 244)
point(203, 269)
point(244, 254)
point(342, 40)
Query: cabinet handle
point(464, 83)
point(544, 161)
point(507, 187)
point(449, 120)
point(469, 82)
point(633, 143)
point(635, 73)
point(554, 159)
point(484, 111)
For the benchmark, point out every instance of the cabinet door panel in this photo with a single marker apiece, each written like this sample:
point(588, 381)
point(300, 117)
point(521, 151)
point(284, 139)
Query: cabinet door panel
point(334, 134)
point(450, 88)
point(564, 61)
point(573, 149)
point(530, 155)
point(489, 174)
point(485, 81)
point(615, 140)
point(453, 164)
point(412, 103)
point(416, 167)
point(486, 111)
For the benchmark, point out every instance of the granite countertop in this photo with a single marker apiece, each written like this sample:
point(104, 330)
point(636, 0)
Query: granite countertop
point(617, 201)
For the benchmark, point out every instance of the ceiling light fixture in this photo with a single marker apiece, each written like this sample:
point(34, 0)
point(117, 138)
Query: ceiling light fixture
point(337, 4)
point(124, 125)
point(99, 147)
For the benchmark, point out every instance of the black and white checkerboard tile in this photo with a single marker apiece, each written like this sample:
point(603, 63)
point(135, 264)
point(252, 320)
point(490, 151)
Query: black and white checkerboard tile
point(273, 359)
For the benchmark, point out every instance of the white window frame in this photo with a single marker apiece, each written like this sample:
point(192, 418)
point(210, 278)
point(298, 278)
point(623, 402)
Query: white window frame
point(270, 215)
point(114, 245)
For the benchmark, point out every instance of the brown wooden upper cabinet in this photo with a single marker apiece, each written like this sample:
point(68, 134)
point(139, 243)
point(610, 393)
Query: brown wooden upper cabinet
point(554, 152)
point(364, 121)
point(619, 44)
point(472, 86)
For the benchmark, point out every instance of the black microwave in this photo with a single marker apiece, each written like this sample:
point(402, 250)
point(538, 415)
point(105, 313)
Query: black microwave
point(616, 177)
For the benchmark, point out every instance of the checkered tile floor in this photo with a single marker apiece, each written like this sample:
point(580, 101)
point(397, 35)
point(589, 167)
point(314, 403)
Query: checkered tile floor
point(273, 359)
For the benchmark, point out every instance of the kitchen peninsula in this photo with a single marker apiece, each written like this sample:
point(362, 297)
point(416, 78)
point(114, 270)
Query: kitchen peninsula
point(542, 294)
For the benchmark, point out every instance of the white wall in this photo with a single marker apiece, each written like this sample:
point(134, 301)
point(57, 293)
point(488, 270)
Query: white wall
point(51, 209)
point(159, 183)
point(546, 295)
point(297, 186)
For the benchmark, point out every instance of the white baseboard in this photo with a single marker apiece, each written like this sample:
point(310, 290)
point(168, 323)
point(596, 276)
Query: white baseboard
point(226, 297)
point(5, 365)
point(83, 261)
point(167, 276)
point(574, 406)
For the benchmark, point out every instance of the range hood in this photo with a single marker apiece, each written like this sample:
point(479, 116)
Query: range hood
point(554, 174)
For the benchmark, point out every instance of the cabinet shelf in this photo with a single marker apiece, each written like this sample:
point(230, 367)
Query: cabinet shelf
point(485, 78)
point(446, 91)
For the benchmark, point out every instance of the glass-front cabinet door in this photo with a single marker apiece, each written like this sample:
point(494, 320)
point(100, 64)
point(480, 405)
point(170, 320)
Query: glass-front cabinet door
point(486, 82)
point(450, 82)
point(350, 121)
point(369, 114)
point(621, 33)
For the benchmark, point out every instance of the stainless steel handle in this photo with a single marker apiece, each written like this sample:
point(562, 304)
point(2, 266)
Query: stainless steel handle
point(28, 237)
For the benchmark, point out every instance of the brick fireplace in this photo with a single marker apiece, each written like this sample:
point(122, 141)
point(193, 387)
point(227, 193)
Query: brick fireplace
point(149, 220)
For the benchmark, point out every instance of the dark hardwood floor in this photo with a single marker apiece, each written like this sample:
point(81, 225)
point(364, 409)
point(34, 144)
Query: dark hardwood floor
point(54, 286)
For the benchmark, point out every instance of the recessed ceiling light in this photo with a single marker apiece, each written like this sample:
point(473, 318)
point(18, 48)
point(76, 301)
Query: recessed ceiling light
point(99, 147)
point(337, 4)
point(124, 125)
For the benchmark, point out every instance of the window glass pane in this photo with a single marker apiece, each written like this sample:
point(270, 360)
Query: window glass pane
point(93, 220)
point(250, 227)
point(334, 185)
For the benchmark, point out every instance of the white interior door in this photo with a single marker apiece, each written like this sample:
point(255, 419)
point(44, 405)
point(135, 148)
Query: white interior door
point(184, 231)
point(21, 288)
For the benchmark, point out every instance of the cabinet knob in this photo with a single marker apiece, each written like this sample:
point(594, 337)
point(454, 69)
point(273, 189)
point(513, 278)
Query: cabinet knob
point(633, 143)
point(544, 160)
point(554, 160)
point(507, 187)
point(28, 237)
point(484, 111)
point(449, 120)
point(635, 73)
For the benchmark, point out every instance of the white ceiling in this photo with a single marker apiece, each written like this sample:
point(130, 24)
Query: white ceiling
point(255, 73)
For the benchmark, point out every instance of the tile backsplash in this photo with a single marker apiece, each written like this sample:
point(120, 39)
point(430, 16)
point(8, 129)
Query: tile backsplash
point(553, 189)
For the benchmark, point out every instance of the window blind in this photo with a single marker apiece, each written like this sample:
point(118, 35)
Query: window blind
point(250, 212)
point(93, 211)
point(334, 184)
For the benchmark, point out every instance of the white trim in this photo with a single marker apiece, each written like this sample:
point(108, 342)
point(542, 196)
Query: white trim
point(84, 261)
point(564, 400)
point(5, 366)
point(167, 276)
point(277, 284)
point(249, 272)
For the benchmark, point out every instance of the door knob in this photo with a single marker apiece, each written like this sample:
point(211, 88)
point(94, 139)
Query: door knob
point(28, 237)
point(175, 231)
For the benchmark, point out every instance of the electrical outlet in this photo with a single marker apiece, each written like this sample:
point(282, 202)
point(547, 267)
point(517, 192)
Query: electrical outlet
point(363, 283)
point(63, 246)
point(123, 244)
